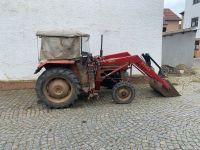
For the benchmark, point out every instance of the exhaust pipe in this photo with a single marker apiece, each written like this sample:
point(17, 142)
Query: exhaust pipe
point(101, 50)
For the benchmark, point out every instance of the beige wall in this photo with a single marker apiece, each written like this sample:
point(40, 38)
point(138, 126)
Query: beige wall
point(182, 22)
point(172, 25)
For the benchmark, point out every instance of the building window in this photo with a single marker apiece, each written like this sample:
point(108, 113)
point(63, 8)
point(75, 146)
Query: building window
point(197, 45)
point(196, 1)
point(164, 29)
point(195, 22)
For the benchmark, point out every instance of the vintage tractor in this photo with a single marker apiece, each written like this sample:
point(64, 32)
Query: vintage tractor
point(71, 70)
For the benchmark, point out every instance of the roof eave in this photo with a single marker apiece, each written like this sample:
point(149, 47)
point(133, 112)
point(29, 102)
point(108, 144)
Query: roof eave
point(179, 32)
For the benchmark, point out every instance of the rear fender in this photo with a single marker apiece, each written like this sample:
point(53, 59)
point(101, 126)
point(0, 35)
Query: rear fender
point(52, 63)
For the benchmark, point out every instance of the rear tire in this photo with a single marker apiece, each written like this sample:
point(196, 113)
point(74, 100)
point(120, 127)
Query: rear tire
point(123, 93)
point(57, 87)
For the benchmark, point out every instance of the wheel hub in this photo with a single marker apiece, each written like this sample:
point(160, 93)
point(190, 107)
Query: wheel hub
point(58, 88)
point(124, 93)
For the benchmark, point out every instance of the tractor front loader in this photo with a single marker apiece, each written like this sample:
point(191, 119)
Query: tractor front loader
point(71, 70)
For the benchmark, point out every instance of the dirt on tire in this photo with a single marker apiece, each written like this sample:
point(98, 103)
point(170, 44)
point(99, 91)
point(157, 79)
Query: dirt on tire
point(128, 89)
point(54, 73)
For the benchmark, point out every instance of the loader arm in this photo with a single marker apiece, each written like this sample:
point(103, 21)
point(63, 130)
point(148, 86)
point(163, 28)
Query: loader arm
point(140, 64)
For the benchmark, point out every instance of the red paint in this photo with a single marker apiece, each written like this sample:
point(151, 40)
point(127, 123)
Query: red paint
point(124, 54)
point(98, 79)
point(66, 62)
point(120, 61)
point(133, 60)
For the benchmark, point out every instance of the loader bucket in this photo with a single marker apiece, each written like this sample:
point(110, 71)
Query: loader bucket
point(172, 92)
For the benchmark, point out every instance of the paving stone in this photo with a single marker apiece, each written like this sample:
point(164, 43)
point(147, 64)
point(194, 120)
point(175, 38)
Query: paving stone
point(150, 122)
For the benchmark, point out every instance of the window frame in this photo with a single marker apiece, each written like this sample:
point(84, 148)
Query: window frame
point(196, 2)
point(164, 29)
point(197, 46)
point(196, 20)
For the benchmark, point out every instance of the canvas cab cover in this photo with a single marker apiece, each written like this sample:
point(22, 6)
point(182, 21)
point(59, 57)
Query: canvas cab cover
point(61, 44)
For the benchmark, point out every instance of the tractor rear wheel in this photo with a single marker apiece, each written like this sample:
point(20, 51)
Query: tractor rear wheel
point(123, 93)
point(57, 87)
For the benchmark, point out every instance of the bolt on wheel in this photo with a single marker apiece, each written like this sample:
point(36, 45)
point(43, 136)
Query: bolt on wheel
point(123, 93)
point(57, 90)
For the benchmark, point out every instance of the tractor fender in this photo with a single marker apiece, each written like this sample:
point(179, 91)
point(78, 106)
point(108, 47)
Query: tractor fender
point(53, 62)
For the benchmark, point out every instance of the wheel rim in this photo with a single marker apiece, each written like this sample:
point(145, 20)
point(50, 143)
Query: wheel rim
point(58, 90)
point(124, 93)
point(165, 70)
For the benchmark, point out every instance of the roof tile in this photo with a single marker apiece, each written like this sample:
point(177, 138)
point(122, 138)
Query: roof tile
point(169, 15)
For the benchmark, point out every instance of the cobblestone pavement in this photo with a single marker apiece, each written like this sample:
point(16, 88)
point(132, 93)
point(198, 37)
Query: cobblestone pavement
point(150, 122)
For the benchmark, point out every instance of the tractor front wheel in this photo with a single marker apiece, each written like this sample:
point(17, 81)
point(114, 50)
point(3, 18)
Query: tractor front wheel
point(57, 87)
point(123, 93)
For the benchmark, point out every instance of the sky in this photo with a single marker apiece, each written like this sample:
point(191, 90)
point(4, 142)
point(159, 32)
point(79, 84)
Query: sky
point(176, 5)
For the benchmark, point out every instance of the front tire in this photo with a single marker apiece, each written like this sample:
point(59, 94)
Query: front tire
point(123, 93)
point(57, 87)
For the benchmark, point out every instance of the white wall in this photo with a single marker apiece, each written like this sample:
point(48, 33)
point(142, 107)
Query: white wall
point(127, 25)
point(191, 11)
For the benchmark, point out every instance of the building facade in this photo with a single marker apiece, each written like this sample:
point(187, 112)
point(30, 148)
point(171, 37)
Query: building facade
point(131, 25)
point(192, 19)
point(171, 21)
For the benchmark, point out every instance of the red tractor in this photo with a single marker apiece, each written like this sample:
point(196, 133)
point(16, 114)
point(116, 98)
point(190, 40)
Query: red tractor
point(71, 70)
